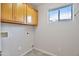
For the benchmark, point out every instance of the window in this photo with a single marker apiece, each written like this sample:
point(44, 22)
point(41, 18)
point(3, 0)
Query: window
point(53, 16)
point(61, 14)
point(65, 13)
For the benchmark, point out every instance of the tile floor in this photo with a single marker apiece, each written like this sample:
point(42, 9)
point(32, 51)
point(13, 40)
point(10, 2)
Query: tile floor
point(36, 53)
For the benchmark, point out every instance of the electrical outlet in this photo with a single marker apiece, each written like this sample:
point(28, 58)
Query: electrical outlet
point(59, 49)
point(28, 34)
point(19, 48)
point(32, 46)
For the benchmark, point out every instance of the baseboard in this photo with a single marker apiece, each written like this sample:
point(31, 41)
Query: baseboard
point(43, 51)
point(26, 52)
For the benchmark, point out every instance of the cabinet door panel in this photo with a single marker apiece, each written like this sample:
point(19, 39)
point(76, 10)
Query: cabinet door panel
point(33, 16)
point(29, 15)
point(6, 12)
point(19, 12)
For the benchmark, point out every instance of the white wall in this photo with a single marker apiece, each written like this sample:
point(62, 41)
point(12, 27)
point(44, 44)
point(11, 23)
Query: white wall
point(0, 37)
point(17, 41)
point(0, 28)
point(60, 38)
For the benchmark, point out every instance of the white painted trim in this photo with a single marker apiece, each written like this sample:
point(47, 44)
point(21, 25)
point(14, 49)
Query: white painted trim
point(26, 52)
point(43, 51)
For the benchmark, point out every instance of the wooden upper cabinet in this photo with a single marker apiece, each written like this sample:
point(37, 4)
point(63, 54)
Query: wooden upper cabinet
point(19, 13)
point(32, 15)
point(6, 12)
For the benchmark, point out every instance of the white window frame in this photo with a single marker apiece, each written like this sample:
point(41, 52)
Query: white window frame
point(59, 13)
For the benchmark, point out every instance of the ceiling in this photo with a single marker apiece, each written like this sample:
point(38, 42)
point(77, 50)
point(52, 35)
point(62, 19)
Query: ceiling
point(37, 4)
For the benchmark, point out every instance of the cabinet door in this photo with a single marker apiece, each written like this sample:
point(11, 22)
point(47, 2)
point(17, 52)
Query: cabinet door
point(6, 12)
point(19, 13)
point(35, 17)
point(32, 15)
point(29, 14)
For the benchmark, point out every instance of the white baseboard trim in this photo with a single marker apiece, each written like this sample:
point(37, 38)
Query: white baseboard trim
point(43, 51)
point(26, 52)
